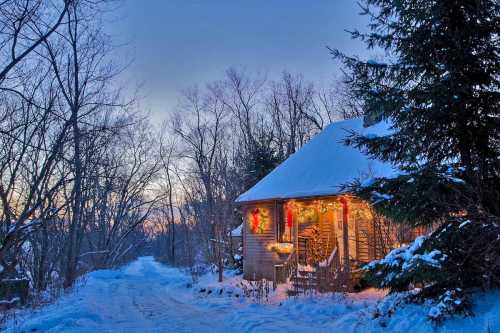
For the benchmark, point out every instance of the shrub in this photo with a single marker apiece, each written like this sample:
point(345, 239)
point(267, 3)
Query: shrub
point(460, 255)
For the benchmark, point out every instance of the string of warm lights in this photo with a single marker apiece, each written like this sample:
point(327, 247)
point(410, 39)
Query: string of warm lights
point(303, 211)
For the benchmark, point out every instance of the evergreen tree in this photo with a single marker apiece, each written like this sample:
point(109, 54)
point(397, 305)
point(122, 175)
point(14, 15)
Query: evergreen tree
point(440, 89)
point(261, 159)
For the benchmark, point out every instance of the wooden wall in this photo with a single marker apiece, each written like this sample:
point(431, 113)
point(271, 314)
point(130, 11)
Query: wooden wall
point(258, 260)
point(363, 240)
point(360, 230)
point(361, 237)
point(327, 229)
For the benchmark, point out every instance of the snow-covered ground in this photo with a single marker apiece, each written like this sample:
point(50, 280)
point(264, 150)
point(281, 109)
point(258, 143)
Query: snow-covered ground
point(146, 296)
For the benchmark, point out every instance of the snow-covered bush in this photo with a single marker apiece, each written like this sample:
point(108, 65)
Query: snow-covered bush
point(405, 265)
point(234, 259)
point(451, 302)
point(445, 266)
point(238, 263)
point(388, 306)
point(258, 290)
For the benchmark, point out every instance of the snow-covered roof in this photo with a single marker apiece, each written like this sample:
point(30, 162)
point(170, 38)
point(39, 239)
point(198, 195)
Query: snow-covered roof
point(322, 165)
point(236, 232)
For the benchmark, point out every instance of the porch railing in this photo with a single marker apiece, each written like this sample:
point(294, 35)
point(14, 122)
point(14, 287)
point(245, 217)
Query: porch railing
point(333, 260)
point(284, 271)
point(330, 275)
point(327, 277)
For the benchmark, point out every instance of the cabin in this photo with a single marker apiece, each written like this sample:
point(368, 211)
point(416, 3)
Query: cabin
point(236, 236)
point(298, 220)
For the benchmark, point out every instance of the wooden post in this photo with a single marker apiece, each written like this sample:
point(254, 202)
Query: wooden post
point(356, 231)
point(275, 224)
point(345, 231)
point(345, 239)
point(295, 227)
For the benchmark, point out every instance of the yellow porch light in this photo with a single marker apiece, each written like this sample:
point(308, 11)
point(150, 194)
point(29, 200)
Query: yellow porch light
point(282, 248)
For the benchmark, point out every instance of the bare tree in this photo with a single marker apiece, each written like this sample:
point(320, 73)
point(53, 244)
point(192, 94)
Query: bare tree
point(78, 59)
point(168, 156)
point(242, 96)
point(24, 26)
point(32, 140)
point(78, 170)
point(289, 104)
point(201, 129)
point(32, 135)
point(136, 163)
point(344, 103)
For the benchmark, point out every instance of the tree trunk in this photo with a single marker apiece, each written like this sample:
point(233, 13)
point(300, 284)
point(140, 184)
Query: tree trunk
point(72, 254)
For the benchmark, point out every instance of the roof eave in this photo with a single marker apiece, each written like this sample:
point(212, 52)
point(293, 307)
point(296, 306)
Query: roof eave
point(312, 196)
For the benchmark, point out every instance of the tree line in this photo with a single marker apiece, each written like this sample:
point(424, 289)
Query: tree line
point(222, 139)
point(77, 167)
point(86, 180)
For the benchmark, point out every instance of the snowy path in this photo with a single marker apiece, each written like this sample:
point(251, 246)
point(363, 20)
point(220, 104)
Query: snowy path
point(146, 296)
point(139, 298)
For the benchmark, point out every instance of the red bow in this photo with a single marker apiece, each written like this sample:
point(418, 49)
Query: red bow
point(289, 216)
point(255, 220)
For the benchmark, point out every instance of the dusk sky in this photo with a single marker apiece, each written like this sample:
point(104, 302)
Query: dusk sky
point(176, 44)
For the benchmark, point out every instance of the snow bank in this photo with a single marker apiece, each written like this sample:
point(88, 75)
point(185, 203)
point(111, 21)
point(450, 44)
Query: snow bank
point(237, 232)
point(404, 260)
point(414, 317)
point(146, 296)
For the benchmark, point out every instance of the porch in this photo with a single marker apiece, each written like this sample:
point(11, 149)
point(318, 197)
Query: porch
point(325, 240)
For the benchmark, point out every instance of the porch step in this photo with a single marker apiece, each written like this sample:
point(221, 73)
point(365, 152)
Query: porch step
point(306, 281)
point(302, 279)
point(292, 292)
point(304, 284)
